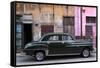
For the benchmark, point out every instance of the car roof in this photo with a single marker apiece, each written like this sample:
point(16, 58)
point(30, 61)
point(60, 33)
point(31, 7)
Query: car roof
point(57, 33)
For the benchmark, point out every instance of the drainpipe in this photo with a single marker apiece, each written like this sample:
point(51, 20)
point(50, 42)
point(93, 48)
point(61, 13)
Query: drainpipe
point(53, 19)
point(53, 14)
point(81, 21)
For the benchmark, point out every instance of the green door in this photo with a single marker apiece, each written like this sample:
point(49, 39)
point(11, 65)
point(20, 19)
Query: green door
point(56, 47)
point(69, 47)
point(55, 44)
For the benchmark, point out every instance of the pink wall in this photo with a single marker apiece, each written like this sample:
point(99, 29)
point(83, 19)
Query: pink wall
point(89, 11)
point(86, 11)
point(77, 22)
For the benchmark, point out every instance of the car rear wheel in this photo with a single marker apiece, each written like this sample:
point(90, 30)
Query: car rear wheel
point(85, 53)
point(39, 56)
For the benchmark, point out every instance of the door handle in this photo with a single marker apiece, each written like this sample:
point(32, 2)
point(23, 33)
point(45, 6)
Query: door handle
point(48, 42)
point(62, 42)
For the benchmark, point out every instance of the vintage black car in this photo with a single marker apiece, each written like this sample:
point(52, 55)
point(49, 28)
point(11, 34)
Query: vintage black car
point(58, 44)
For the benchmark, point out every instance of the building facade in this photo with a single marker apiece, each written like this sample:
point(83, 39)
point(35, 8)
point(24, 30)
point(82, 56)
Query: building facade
point(35, 20)
point(40, 19)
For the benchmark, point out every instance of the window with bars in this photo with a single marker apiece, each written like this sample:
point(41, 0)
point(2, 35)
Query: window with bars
point(68, 25)
point(88, 30)
point(68, 21)
point(90, 19)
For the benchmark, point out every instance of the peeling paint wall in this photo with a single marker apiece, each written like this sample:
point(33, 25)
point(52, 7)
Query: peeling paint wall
point(46, 15)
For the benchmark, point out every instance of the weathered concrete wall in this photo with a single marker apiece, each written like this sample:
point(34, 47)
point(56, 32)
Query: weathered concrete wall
point(46, 15)
point(19, 8)
point(50, 15)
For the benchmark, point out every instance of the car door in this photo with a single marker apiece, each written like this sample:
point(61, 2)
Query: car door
point(55, 45)
point(69, 46)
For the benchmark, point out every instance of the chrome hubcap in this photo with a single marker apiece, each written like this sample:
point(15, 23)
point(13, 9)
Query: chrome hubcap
point(39, 56)
point(85, 53)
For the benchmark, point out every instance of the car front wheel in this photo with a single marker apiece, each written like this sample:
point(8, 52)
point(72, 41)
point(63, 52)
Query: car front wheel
point(85, 53)
point(39, 56)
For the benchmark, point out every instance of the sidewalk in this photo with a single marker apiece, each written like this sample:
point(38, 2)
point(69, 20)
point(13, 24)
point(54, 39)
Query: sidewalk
point(94, 51)
point(20, 54)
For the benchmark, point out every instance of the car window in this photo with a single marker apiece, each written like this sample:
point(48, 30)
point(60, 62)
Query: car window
point(53, 38)
point(45, 38)
point(66, 37)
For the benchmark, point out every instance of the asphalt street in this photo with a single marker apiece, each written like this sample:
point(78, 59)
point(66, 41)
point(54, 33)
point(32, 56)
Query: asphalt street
point(28, 60)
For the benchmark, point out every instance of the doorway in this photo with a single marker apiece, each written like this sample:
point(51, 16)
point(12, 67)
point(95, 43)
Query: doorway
point(27, 33)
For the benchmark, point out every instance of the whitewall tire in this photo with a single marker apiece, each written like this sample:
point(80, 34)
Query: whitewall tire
point(39, 56)
point(85, 53)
